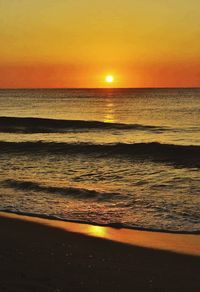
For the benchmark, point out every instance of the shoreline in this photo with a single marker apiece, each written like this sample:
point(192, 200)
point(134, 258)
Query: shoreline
point(182, 243)
point(117, 226)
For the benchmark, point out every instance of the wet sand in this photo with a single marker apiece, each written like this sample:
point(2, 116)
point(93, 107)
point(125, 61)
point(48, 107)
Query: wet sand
point(47, 255)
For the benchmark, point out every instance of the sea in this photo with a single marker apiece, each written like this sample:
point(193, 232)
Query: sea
point(115, 157)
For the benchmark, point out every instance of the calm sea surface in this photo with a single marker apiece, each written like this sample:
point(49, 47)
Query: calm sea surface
point(129, 157)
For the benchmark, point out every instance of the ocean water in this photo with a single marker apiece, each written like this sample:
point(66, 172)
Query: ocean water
point(120, 157)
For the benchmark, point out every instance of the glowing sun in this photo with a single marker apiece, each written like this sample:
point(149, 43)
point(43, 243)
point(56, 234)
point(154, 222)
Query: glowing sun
point(109, 79)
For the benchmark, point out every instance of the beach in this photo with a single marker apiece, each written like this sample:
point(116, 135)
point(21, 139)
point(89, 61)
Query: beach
point(49, 255)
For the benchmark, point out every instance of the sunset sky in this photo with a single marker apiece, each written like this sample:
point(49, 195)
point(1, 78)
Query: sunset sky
point(76, 43)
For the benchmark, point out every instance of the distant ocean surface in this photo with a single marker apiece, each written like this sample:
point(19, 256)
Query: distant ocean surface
point(120, 157)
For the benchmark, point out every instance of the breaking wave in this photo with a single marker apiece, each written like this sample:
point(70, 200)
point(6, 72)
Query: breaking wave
point(188, 156)
point(42, 125)
point(72, 192)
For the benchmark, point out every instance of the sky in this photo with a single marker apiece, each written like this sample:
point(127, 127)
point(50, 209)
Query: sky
point(76, 43)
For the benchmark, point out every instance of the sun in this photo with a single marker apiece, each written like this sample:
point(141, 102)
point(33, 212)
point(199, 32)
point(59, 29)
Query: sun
point(109, 79)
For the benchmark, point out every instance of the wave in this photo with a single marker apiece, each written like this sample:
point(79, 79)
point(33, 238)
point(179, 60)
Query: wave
point(183, 155)
point(72, 192)
point(42, 125)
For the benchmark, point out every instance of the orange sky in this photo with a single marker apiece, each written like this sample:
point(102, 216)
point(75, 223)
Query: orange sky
point(68, 43)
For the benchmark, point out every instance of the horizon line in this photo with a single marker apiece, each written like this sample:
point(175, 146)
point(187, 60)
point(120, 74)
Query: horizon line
point(92, 88)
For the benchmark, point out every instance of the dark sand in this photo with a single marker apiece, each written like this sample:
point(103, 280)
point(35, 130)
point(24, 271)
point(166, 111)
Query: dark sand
point(36, 257)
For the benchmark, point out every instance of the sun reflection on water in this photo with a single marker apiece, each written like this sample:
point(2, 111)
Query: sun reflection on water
point(109, 112)
point(97, 231)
